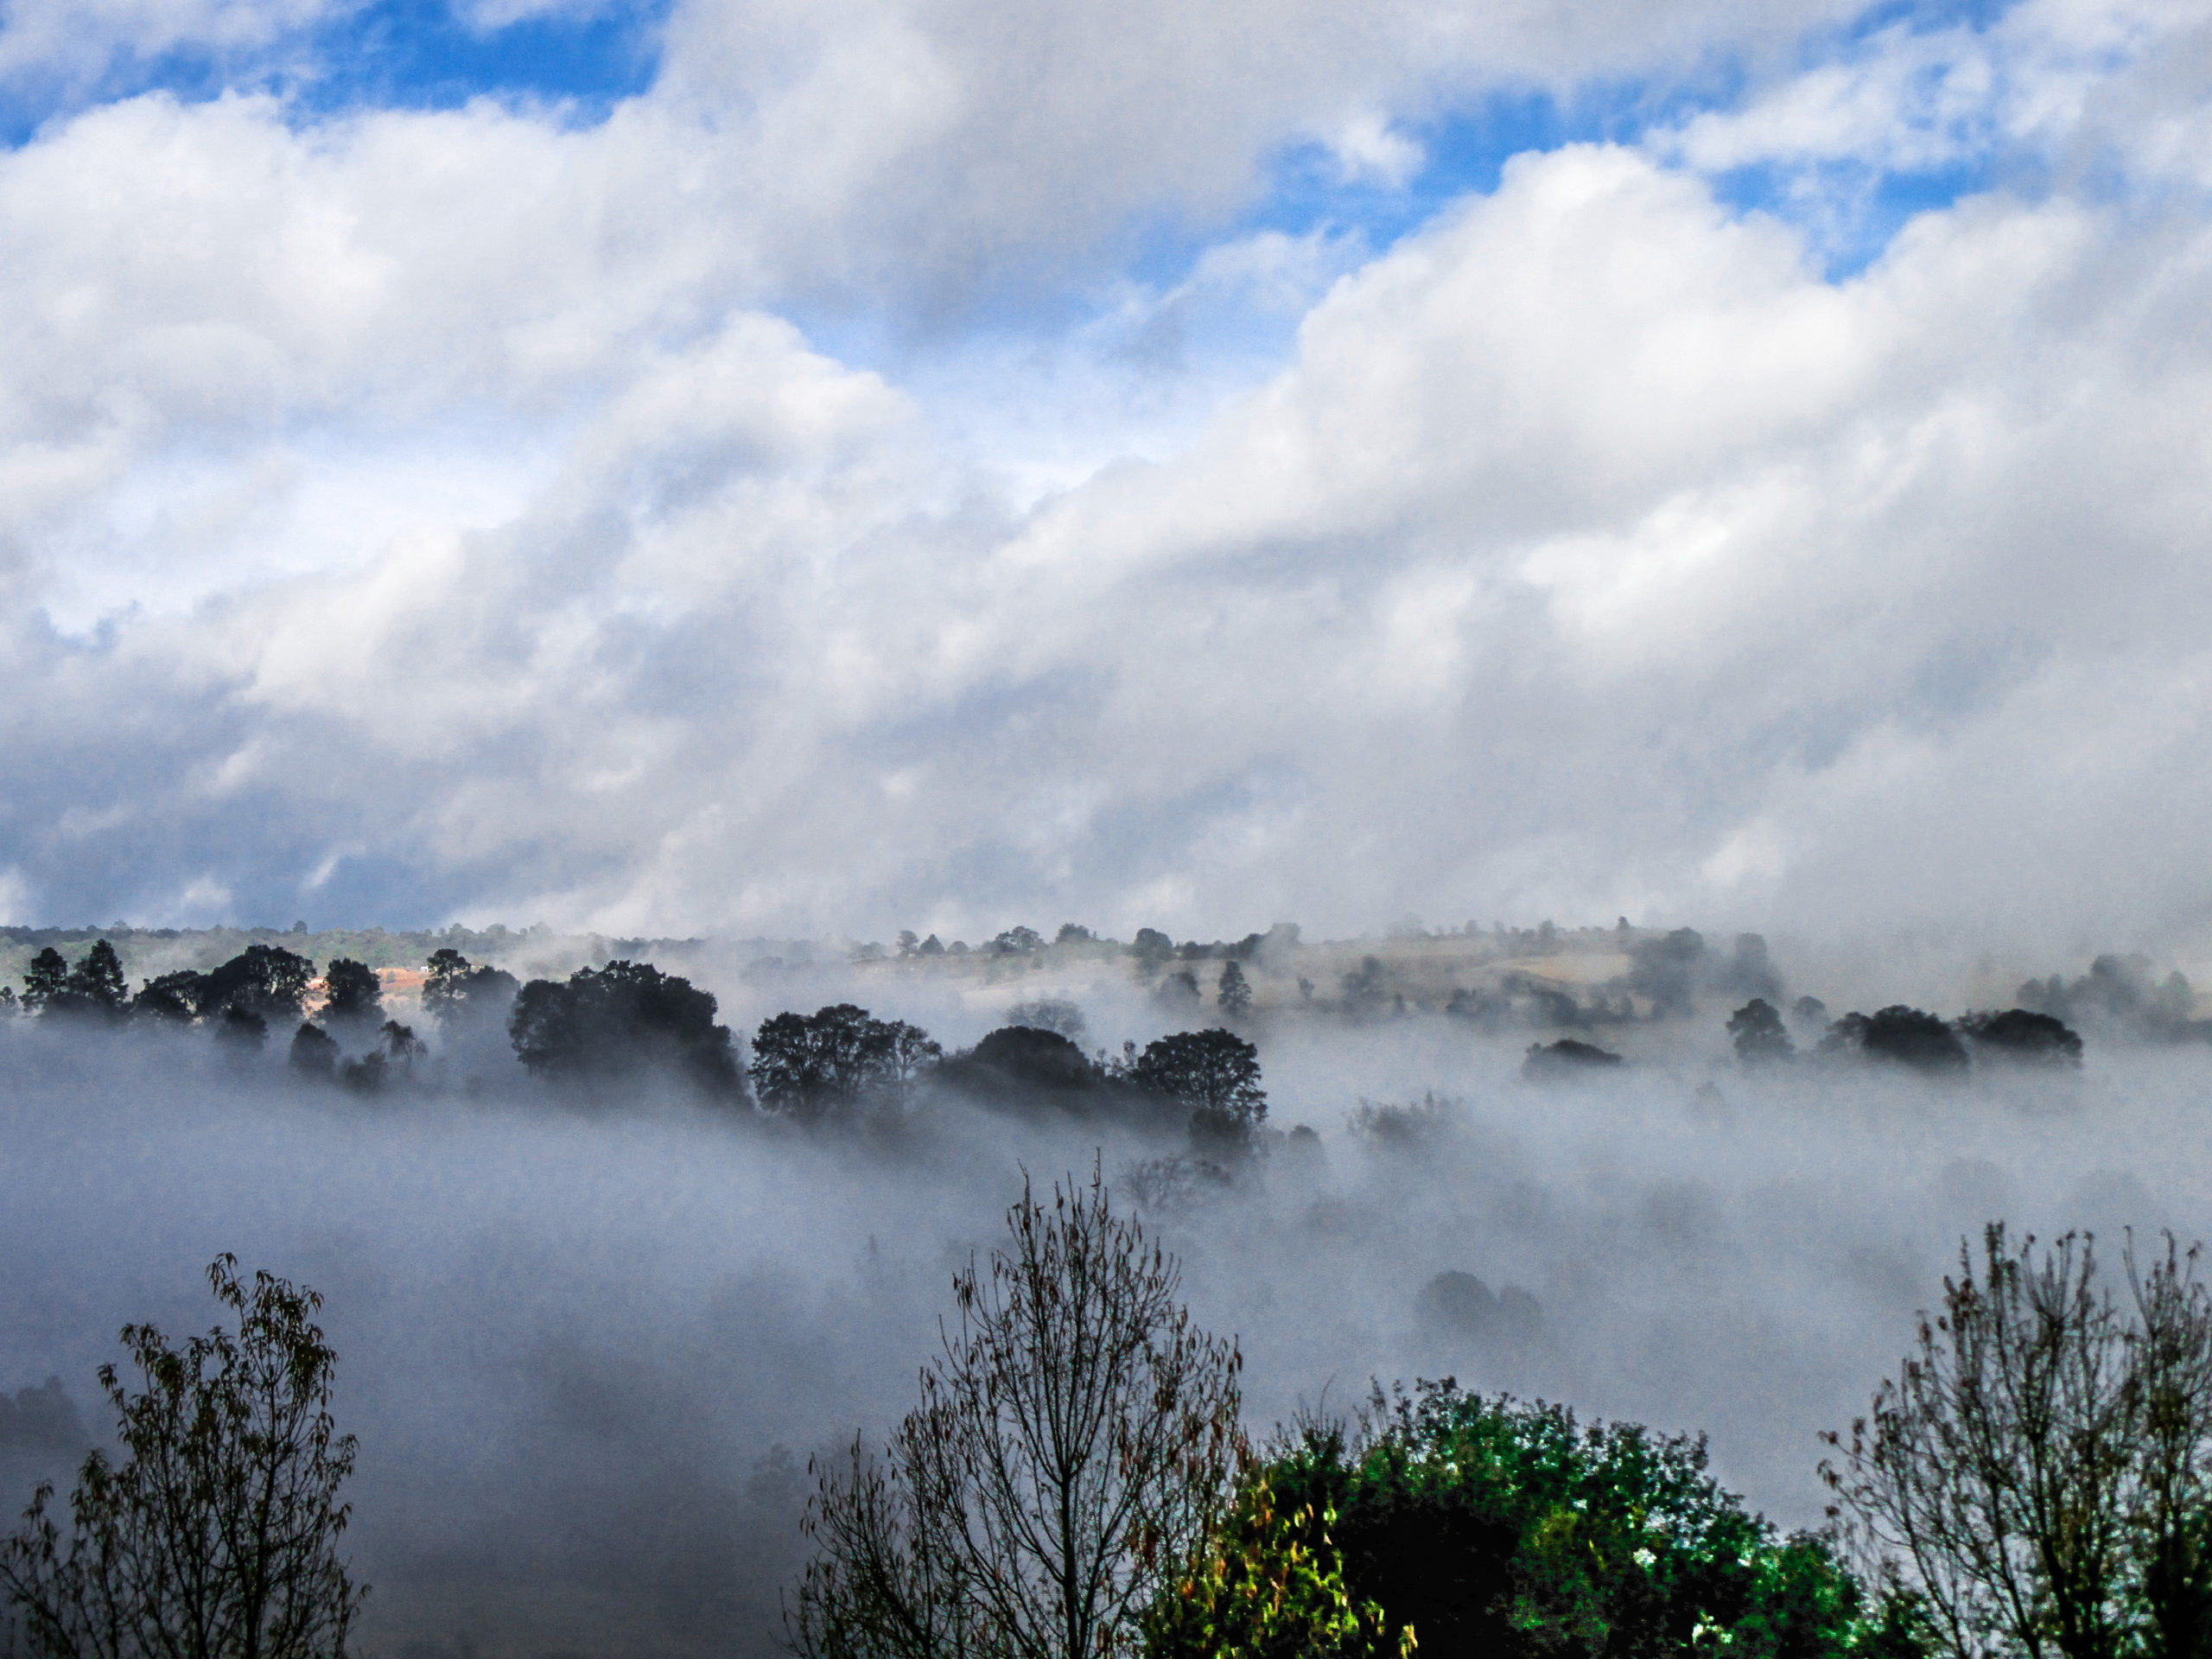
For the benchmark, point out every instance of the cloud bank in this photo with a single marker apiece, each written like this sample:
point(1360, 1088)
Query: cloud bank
point(909, 470)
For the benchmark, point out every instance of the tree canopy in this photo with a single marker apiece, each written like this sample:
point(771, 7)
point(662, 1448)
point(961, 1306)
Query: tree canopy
point(806, 1066)
point(621, 1021)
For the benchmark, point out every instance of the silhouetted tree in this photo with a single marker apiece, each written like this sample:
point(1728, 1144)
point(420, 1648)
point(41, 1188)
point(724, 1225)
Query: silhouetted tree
point(1151, 948)
point(834, 1058)
point(616, 1022)
point(313, 1051)
point(95, 986)
point(262, 979)
point(175, 998)
point(2016, 1035)
point(1566, 1058)
point(216, 1535)
point(1074, 1444)
point(1761, 1038)
point(1907, 1036)
point(1027, 1060)
point(2040, 1468)
point(1234, 993)
point(1214, 1072)
point(1018, 941)
point(933, 946)
point(456, 994)
point(351, 991)
point(48, 973)
point(1070, 934)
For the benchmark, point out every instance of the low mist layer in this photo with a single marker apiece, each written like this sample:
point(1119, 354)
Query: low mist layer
point(589, 1340)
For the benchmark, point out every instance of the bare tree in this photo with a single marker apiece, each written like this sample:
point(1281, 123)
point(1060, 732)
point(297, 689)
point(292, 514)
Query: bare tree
point(2038, 1470)
point(216, 1537)
point(1075, 1440)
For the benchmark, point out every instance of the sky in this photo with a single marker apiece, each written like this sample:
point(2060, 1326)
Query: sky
point(748, 467)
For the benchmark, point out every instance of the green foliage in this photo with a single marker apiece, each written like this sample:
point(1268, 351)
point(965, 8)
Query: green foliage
point(1270, 1585)
point(1495, 1526)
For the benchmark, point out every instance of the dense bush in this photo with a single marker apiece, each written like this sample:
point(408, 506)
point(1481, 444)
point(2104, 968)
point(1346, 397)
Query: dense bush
point(1496, 1527)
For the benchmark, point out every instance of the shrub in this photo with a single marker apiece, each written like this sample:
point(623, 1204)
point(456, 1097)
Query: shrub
point(1492, 1526)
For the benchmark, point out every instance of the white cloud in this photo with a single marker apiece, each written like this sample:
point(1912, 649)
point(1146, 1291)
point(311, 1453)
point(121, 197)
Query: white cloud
point(1586, 552)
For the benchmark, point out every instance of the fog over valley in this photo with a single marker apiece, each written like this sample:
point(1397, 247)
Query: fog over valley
point(592, 1327)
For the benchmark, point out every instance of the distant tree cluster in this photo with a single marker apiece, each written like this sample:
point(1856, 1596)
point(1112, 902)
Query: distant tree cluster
point(1908, 1037)
point(613, 1024)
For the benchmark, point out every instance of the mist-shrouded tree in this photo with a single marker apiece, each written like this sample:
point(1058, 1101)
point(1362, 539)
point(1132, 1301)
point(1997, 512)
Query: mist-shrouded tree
point(94, 988)
point(394, 1058)
point(1151, 948)
point(215, 1536)
point(174, 999)
point(241, 1031)
point(1665, 970)
point(1051, 1014)
point(811, 1064)
point(264, 980)
point(313, 1051)
point(1761, 1038)
point(1212, 1070)
point(1076, 1441)
point(352, 992)
point(459, 996)
point(1905, 1036)
point(44, 980)
point(617, 1021)
point(1234, 993)
point(2021, 1035)
point(2039, 1472)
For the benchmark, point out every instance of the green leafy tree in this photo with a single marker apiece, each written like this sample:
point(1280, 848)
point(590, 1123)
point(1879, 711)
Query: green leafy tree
point(1270, 1585)
point(1492, 1526)
point(216, 1535)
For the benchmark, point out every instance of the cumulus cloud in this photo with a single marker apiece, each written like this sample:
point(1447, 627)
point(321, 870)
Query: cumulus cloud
point(415, 513)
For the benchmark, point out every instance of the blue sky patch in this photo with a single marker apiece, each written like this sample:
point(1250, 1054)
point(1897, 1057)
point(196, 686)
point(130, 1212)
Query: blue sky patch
point(385, 54)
